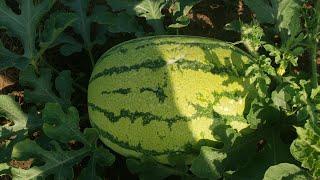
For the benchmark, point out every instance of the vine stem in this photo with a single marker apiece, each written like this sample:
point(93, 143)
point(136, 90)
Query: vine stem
point(91, 57)
point(314, 47)
point(314, 73)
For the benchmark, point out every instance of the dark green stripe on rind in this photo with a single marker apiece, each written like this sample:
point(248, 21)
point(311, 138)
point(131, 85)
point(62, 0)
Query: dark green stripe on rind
point(138, 148)
point(181, 64)
point(235, 95)
point(146, 117)
point(117, 91)
point(209, 112)
point(208, 68)
point(204, 46)
point(149, 64)
point(159, 92)
point(174, 39)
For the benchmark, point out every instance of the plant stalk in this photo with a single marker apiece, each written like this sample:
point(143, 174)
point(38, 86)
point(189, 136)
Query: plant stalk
point(314, 46)
point(314, 73)
point(91, 57)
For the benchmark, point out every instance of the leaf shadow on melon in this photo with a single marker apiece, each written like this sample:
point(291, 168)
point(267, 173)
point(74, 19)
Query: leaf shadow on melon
point(153, 101)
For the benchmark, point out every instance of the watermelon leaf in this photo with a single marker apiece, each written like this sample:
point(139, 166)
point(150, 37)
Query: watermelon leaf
point(82, 26)
point(6, 148)
point(62, 127)
point(39, 88)
point(209, 164)
point(285, 170)
point(4, 169)
point(68, 44)
point(10, 59)
point(182, 10)
point(151, 10)
point(127, 5)
point(123, 22)
point(25, 27)
point(100, 157)
point(288, 17)
point(306, 148)
point(117, 22)
point(55, 25)
point(56, 161)
point(244, 149)
point(147, 168)
point(265, 12)
point(284, 14)
point(11, 110)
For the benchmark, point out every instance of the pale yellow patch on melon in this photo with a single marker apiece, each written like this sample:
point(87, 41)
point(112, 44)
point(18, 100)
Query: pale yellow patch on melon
point(223, 54)
point(227, 106)
point(200, 128)
point(238, 125)
point(196, 88)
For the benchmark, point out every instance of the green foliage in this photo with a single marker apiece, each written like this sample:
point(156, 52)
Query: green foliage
point(209, 163)
point(11, 111)
point(260, 72)
point(283, 14)
point(291, 95)
point(100, 16)
point(119, 22)
point(181, 10)
point(306, 148)
point(55, 25)
point(39, 87)
point(82, 26)
point(148, 9)
point(151, 10)
point(147, 168)
point(242, 150)
point(251, 36)
point(285, 171)
point(10, 59)
point(25, 26)
point(59, 160)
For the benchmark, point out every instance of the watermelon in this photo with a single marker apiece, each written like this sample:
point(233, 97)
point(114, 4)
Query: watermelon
point(159, 96)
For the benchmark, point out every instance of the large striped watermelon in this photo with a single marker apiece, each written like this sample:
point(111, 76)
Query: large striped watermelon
point(159, 96)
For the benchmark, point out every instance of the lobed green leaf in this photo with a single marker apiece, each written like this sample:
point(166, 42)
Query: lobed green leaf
point(39, 87)
point(285, 171)
point(11, 110)
point(306, 148)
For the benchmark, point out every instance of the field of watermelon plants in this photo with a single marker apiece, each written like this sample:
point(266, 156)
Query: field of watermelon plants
point(49, 51)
